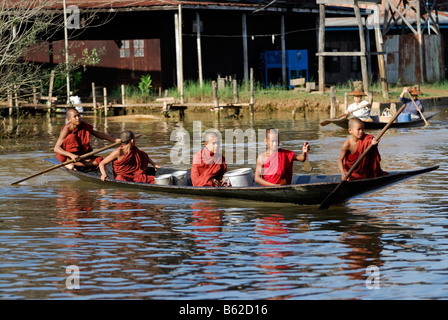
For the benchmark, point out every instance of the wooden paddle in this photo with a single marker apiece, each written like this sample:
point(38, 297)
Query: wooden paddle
point(325, 122)
point(418, 109)
point(71, 160)
point(327, 201)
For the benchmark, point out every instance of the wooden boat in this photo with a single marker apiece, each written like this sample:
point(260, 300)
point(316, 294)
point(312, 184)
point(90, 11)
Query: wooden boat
point(305, 189)
point(343, 122)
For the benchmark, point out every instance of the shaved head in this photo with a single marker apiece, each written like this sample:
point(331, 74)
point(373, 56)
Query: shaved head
point(354, 121)
point(71, 112)
point(210, 135)
point(127, 136)
point(269, 131)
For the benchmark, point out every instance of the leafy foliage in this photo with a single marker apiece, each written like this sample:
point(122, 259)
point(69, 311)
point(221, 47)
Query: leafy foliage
point(145, 84)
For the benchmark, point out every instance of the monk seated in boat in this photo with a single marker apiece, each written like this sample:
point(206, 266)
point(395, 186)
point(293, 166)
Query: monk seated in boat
point(209, 165)
point(129, 162)
point(275, 166)
point(356, 144)
point(74, 141)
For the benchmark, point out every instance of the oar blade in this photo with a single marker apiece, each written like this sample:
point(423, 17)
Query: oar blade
point(307, 165)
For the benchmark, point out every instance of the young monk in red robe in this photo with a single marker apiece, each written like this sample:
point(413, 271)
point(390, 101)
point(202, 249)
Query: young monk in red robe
point(275, 166)
point(74, 141)
point(209, 166)
point(129, 162)
point(369, 167)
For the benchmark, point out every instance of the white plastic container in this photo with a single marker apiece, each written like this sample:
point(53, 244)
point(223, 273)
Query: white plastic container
point(164, 179)
point(239, 177)
point(180, 178)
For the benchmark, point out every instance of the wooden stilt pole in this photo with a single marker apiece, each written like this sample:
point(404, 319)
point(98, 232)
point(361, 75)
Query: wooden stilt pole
point(364, 73)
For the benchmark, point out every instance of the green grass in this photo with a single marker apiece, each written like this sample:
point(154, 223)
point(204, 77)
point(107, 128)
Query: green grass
point(193, 92)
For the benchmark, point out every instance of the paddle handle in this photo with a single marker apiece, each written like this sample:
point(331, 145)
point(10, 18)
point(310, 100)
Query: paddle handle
point(418, 109)
point(342, 115)
point(324, 123)
point(71, 160)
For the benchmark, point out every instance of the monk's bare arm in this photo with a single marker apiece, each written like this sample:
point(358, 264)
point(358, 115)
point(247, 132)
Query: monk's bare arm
point(345, 148)
point(111, 157)
point(104, 136)
point(155, 165)
point(58, 146)
point(302, 157)
point(258, 169)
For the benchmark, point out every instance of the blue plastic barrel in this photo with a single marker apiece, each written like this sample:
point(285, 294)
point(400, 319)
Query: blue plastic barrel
point(404, 117)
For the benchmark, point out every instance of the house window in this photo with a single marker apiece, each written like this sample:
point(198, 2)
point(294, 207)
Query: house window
point(124, 50)
point(332, 64)
point(139, 48)
point(356, 65)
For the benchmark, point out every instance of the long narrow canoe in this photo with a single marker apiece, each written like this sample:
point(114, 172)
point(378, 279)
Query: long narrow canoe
point(343, 122)
point(305, 189)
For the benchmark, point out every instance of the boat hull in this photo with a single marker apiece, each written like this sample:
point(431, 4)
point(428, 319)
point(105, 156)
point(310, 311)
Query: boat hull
point(305, 190)
point(343, 122)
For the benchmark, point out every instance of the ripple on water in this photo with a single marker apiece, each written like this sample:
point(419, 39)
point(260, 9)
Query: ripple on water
point(131, 244)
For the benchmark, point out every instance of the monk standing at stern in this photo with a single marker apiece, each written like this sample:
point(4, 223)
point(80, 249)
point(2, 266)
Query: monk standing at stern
point(74, 141)
point(352, 149)
point(275, 166)
point(209, 165)
point(129, 162)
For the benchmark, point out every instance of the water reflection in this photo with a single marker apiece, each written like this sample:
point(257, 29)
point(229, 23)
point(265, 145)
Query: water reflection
point(273, 233)
point(132, 244)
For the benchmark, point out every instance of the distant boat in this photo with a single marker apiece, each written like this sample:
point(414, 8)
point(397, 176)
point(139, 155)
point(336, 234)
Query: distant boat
point(343, 122)
point(305, 189)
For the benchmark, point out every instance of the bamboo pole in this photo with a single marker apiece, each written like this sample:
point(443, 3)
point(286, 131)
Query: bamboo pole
point(93, 98)
point(420, 39)
point(105, 100)
point(245, 57)
point(181, 58)
point(123, 94)
point(198, 42)
point(283, 46)
point(10, 102)
point(364, 73)
point(321, 47)
point(215, 99)
point(252, 90)
point(332, 102)
point(235, 91)
point(176, 41)
point(34, 95)
point(66, 52)
point(215, 94)
point(379, 49)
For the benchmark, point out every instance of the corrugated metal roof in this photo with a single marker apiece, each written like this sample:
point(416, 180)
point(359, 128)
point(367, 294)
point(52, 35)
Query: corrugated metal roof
point(116, 5)
point(130, 4)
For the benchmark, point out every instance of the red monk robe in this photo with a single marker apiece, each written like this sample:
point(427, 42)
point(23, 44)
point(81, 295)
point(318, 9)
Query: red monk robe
point(278, 167)
point(206, 166)
point(78, 142)
point(133, 166)
point(369, 167)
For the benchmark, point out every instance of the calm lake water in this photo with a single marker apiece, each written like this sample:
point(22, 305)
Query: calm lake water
point(128, 244)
